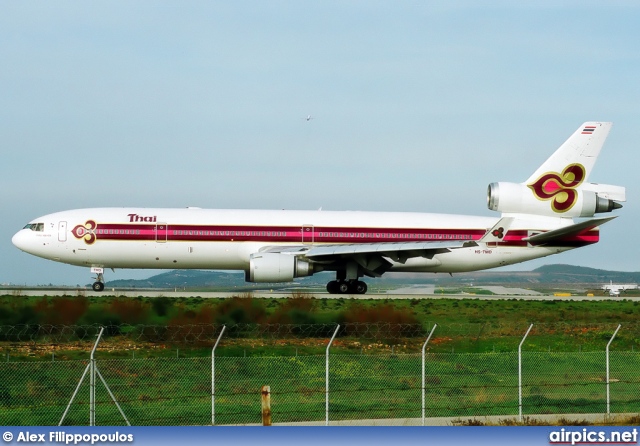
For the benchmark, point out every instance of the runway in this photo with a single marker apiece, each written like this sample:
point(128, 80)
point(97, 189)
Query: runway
point(279, 294)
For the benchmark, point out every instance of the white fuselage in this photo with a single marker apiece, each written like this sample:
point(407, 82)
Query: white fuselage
point(194, 238)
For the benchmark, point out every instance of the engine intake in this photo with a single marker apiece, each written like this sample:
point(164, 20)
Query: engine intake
point(276, 267)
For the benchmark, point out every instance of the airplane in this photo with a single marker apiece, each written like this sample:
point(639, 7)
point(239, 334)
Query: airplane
point(537, 220)
point(615, 289)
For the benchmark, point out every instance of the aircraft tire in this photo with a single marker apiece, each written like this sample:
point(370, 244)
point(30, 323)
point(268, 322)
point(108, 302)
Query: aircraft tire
point(344, 288)
point(332, 287)
point(360, 287)
point(98, 286)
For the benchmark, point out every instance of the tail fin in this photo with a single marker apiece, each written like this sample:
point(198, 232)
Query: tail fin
point(583, 147)
point(559, 188)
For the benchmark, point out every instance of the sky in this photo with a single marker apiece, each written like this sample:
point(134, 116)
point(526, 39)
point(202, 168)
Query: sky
point(417, 106)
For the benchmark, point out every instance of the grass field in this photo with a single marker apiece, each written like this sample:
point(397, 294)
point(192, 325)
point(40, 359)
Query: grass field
point(464, 326)
point(165, 391)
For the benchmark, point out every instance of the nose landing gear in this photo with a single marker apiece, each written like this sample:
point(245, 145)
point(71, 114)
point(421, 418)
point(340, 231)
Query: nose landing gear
point(98, 285)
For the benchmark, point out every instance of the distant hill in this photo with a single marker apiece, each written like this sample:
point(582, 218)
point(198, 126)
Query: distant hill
point(209, 279)
point(545, 275)
point(183, 278)
point(570, 273)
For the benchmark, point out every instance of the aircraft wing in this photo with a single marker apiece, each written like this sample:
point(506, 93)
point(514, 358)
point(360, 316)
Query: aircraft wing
point(392, 249)
point(372, 257)
point(396, 251)
point(578, 228)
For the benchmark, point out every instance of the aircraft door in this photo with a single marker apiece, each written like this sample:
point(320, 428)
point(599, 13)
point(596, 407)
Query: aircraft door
point(62, 231)
point(162, 231)
point(308, 234)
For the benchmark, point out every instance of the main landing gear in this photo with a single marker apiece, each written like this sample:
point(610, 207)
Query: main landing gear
point(346, 287)
point(347, 280)
point(98, 285)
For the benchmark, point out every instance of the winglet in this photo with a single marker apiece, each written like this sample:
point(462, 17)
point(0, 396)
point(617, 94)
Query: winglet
point(498, 231)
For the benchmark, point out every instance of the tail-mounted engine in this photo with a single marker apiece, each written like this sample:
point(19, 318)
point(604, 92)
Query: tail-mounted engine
point(276, 267)
point(553, 198)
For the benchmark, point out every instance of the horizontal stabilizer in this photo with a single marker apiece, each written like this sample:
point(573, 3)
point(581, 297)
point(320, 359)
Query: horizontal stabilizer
point(616, 193)
point(546, 237)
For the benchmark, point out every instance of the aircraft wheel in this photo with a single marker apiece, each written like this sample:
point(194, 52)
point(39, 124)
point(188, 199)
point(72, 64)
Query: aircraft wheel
point(98, 286)
point(344, 288)
point(332, 287)
point(360, 287)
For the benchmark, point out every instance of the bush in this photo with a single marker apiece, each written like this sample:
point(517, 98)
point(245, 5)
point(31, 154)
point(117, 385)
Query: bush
point(240, 310)
point(298, 311)
point(100, 317)
point(129, 311)
point(161, 305)
point(378, 313)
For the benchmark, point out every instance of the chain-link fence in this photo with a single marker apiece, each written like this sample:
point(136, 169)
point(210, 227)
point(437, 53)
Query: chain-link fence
point(365, 381)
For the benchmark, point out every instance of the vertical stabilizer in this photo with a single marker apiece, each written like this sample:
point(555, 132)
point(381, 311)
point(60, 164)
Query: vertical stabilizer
point(559, 188)
point(583, 147)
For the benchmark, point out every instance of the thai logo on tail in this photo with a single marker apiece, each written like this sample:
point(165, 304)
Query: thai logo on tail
point(86, 232)
point(560, 189)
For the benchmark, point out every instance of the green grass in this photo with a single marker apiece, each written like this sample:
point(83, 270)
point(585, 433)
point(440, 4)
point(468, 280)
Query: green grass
point(467, 325)
point(168, 391)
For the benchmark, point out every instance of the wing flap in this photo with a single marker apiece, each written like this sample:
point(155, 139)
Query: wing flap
point(393, 250)
point(293, 250)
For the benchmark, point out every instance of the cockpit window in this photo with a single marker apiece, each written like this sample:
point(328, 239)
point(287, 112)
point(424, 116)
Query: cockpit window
point(38, 227)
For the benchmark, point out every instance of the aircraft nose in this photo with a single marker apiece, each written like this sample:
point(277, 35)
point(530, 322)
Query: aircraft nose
point(21, 240)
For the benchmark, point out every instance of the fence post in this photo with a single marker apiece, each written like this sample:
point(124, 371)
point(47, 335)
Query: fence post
point(266, 405)
point(92, 377)
point(424, 346)
point(326, 397)
point(213, 377)
point(608, 344)
point(92, 395)
point(520, 371)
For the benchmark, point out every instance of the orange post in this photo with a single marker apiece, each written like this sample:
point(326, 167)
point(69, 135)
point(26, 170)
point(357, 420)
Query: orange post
point(266, 405)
